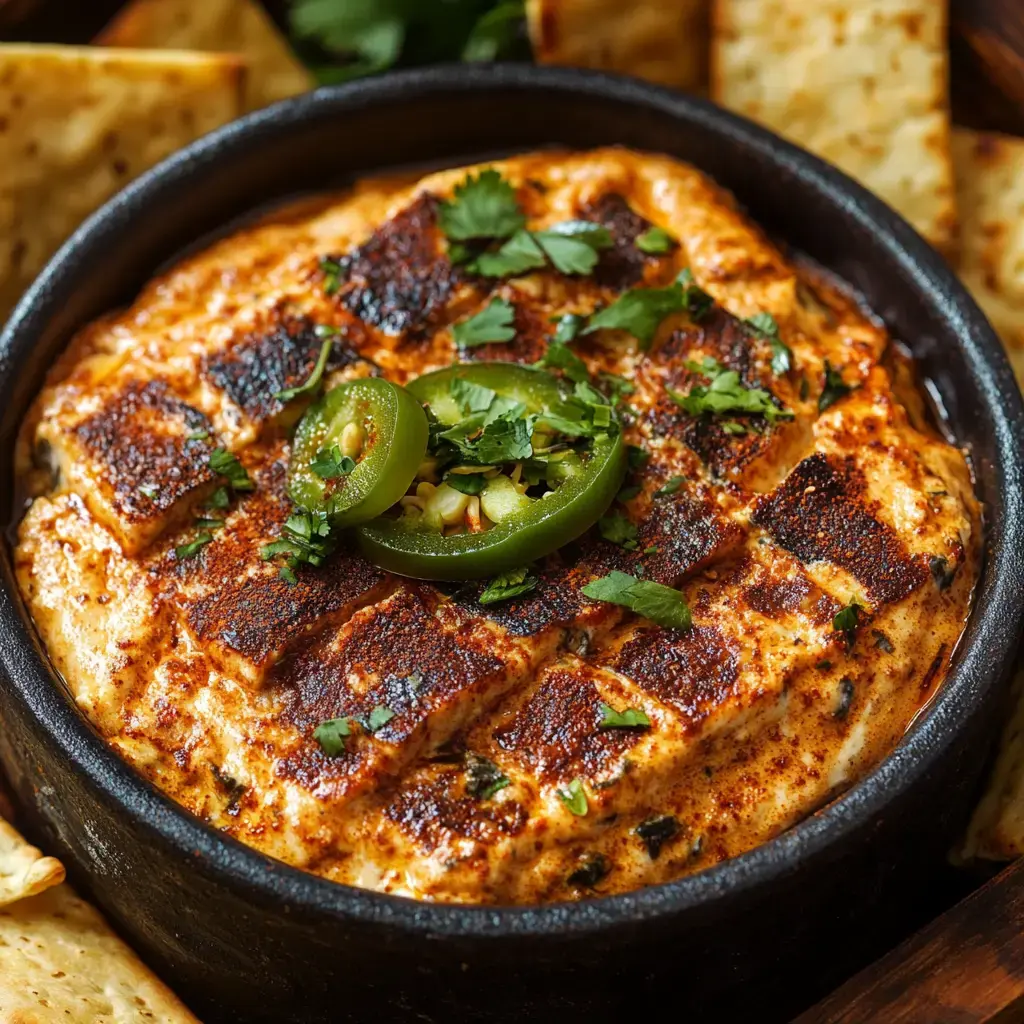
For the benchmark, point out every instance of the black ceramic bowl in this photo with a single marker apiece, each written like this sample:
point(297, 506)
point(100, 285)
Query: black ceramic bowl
point(247, 938)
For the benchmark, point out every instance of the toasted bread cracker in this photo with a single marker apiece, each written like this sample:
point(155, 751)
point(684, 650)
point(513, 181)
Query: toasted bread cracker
point(990, 193)
point(862, 84)
point(664, 41)
point(78, 123)
point(996, 831)
point(238, 26)
point(59, 961)
point(24, 871)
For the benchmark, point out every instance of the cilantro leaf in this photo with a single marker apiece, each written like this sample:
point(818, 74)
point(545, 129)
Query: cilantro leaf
point(631, 718)
point(483, 777)
point(725, 394)
point(331, 735)
point(305, 539)
point(655, 242)
point(639, 312)
point(184, 551)
point(846, 620)
point(484, 206)
point(466, 483)
point(568, 327)
point(763, 325)
point(330, 464)
point(697, 301)
point(219, 499)
point(492, 323)
point(378, 718)
point(574, 796)
point(472, 397)
point(518, 255)
point(198, 435)
point(834, 389)
point(205, 523)
point(559, 356)
point(513, 583)
point(654, 601)
point(619, 530)
point(313, 383)
point(638, 457)
point(226, 464)
point(616, 386)
point(495, 32)
point(670, 486)
point(332, 271)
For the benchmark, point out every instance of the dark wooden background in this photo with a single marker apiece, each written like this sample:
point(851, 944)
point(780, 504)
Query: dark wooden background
point(967, 965)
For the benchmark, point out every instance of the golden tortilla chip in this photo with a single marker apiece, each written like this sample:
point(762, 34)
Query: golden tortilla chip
point(862, 84)
point(990, 194)
point(236, 26)
point(24, 871)
point(78, 123)
point(996, 831)
point(664, 41)
point(59, 961)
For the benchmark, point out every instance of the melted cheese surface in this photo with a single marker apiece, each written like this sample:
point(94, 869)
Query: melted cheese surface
point(210, 674)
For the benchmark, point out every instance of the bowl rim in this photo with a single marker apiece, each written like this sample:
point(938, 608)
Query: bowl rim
point(997, 608)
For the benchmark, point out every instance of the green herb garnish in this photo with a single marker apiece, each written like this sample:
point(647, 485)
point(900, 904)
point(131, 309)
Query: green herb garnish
point(726, 394)
point(332, 271)
point(208, 524)
point(149, 491)
point(763, 325)
point(378, 718)
point(330, 464)
point(558, 356)
point(834, 389)
point(619, 530)
point(513, 583)
point(574, 796)
point(483, 777)
point(331, 735)
point(845, 621)
point(226, 464)
point(568, 327)
point(305, 540)
point(631, 718)
point(219, 499)
point(670, 486)
point(654, 601)
point(655, 242)
point(484, 206)
point(183, 551)
point(492, 323)
point(592, 868)
point(466, 483)
point(198, 435)
point(312, 383)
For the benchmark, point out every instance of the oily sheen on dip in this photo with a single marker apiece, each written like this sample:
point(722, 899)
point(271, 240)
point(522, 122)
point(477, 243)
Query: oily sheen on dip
point(210, 673)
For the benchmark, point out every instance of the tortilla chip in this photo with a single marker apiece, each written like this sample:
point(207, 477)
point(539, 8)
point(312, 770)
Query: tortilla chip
point(664, 41)
point(862, 83)
point(238, 26)
point(24, 871)
point(78, 123)
point(996, 831)
point(59, 961)
point(990, 194)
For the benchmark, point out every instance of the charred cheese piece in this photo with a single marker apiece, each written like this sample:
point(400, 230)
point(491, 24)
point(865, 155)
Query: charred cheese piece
point(546, 747)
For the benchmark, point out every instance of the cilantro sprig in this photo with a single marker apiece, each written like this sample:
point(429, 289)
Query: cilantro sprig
point(330, 464)
point(834, 388)
point(313, 381)
point(226, 464)
point(492, 324)
point(484, 206)
point(763, 325)
point(726, 394)
point(507, 585)
point(631, 718)
point(662, 605)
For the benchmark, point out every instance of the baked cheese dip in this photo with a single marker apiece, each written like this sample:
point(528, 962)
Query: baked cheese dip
point(528, 532)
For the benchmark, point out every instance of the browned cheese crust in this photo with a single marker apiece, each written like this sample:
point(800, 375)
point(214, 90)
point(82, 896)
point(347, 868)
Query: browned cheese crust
point(210, 674)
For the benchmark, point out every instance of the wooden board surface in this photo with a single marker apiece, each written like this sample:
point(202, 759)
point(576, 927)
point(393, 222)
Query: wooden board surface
point(966, 967)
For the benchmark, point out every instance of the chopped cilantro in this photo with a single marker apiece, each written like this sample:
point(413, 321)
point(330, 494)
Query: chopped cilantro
point(726, 393)
point(568, 327)
point(466, 483)
point(571, 248)
point(656, 832)
point(670, 486)
point(305, 539)
point(640, 312)
point(638, 457)
point(734, 428)
point(558, 356)
point(183, 551)
point(483, 777)
point(495, 32)
point(483, 206)
point(208, 524)
point(492, 323)
point(332, 271)
point(378, 718)
point(288, 575)
point(654, 601)
point(845, 620)
point(592, 868)
point(513, 583)
point(619, 530)
point(198, 435)
point(631, 718)
point(655, 242)
point(331, 735)
point(226, 464)
point(312, 383)
point(616, 386)
point(763, 325)
point(834, 388)
point(518, 255)
point(697, 301)
point(219, 499)
point(472, 397)
point(574, 796)
point(330, 464)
